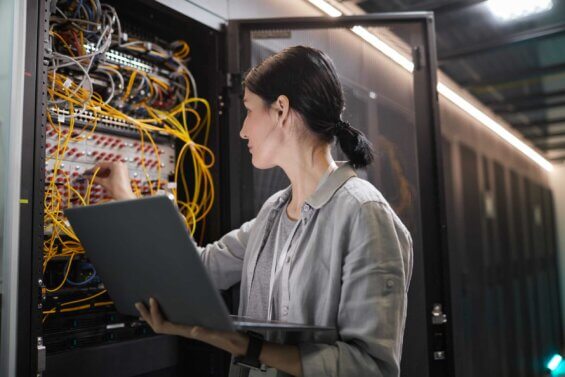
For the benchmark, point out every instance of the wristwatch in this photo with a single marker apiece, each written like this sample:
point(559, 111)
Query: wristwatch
point(251, 358)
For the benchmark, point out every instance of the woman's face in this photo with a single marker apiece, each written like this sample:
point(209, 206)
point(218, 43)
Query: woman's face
point(262, 130)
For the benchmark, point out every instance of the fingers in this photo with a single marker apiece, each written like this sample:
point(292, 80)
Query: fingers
point(153, 316)
point(103, 169)
point(155, 319)
point(98, 181)
point(113, 177)
point(106, 164)
point(145, 315)
point(100, 173)
point(99, 166)
point(155, 311)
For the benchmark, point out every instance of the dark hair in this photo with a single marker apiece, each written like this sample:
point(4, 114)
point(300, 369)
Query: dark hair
point(308, 78)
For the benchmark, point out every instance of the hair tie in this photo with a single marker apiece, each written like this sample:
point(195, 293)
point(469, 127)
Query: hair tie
point(341, 125)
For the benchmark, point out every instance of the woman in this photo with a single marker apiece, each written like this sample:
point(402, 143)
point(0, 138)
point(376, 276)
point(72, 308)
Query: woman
point(328, 250)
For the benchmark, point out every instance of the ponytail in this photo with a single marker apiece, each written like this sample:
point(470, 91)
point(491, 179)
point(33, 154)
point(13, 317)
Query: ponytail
point(354, 144)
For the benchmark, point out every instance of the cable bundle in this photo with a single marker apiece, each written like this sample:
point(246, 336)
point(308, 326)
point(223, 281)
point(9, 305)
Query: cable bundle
point(98, 74)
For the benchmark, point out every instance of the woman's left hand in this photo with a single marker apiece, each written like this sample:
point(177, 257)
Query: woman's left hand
point(233, 342)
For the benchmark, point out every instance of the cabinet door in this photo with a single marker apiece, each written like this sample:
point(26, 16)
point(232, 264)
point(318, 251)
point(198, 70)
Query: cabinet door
point(387, 66)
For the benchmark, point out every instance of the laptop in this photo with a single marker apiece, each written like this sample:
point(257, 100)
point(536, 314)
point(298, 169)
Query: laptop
point(141, 248)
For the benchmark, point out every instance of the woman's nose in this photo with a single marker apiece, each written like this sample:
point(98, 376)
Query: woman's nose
point(242, 133)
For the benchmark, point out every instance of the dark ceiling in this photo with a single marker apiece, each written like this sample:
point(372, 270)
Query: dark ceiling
point(515, 67)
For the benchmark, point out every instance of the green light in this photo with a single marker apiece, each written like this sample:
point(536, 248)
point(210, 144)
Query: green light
point(554, 362)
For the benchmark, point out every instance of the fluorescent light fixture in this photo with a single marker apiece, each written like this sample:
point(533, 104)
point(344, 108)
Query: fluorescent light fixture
point(508, 10)
point(326, 7)
point(554, 362)
point(373, 40)
point(494, 126)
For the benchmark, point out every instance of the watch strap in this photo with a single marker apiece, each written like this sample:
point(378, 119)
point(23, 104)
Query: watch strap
point(251, 357)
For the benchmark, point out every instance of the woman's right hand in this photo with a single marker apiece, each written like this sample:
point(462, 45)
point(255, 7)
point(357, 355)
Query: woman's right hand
point(114, 178)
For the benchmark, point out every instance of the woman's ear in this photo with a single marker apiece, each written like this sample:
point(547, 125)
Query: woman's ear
point(282, 107)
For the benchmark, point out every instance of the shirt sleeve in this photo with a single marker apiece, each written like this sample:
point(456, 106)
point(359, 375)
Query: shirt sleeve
point(223, 259)
point(372, 307)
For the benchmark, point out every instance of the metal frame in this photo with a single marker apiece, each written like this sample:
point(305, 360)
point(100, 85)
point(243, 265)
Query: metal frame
point(430, 278)
point(31, 214)
point(11, 322)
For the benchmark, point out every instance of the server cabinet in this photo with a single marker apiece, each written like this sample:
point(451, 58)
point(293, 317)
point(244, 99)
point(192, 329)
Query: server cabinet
point(99, 341)
point(408, 171)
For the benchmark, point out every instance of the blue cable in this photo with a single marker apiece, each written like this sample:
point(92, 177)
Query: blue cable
point(77, 11)
point(90, 278)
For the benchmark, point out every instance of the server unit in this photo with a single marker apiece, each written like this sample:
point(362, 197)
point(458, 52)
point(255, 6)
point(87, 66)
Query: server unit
point(161, 92)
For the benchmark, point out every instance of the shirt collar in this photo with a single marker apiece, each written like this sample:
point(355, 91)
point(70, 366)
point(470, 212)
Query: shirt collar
point(331, 184)
point(326, 189)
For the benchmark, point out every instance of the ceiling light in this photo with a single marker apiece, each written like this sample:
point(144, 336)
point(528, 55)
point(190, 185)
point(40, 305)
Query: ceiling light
point(326, 7)
point(512, 9)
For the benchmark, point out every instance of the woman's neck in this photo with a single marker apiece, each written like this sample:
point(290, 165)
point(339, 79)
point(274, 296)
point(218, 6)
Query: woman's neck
point(305, 167)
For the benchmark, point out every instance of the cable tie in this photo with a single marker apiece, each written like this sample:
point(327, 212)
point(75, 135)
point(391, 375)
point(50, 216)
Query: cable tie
point(67, 83)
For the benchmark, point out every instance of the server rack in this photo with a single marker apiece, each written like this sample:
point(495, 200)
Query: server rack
point(229, 56)
point(505, 302)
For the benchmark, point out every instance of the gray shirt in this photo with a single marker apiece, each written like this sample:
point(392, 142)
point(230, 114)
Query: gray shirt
point(349, 268)
point(258, 307)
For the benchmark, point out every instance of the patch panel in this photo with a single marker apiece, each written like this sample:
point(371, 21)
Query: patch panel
point(147, 163)
point(123, 59)
point(118, 126)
